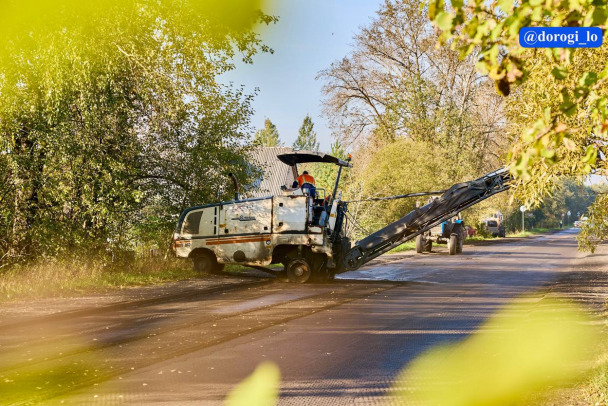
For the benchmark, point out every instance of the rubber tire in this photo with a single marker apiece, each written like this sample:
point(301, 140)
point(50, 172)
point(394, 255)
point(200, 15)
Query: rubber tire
point(206, 263)
point(298, 271)
point(459, 245)
point(420, 240)
point(452, 244)
point(428, 245)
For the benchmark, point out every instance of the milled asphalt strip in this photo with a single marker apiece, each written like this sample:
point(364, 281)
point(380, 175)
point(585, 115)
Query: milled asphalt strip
point(236, 325)
point(130, 304)
point(45, 343)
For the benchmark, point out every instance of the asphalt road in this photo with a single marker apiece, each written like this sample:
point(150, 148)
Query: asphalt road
point(338, 343)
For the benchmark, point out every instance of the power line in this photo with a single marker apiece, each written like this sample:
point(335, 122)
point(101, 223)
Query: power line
point(371, 199)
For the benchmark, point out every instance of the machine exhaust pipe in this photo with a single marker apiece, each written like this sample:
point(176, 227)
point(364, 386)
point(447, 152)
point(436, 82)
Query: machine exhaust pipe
point(236, 186)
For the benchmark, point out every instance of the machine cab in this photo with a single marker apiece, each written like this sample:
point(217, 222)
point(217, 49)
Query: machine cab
point(320, 200)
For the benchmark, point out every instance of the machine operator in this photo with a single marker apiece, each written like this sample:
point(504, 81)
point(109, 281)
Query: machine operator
point(307, 183)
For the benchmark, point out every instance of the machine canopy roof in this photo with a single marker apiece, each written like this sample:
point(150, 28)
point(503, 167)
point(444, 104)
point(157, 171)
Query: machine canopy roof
point(302, 157)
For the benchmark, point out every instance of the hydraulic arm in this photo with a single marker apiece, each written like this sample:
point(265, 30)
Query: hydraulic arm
point(418, 221)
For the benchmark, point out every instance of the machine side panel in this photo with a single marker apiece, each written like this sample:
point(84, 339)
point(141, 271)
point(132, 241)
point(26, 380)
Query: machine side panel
point(246, 218)
point(290, 214)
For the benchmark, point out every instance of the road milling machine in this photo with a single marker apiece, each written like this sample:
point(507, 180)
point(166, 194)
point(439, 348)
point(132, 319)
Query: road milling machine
point(305, 233)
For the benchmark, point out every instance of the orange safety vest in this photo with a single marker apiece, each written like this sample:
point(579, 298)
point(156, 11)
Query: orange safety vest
point(302, 179)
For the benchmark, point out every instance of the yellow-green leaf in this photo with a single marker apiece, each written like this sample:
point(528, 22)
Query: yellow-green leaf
point(560, 72)
point(444, 21)
point(261, 388)
point(590, 155)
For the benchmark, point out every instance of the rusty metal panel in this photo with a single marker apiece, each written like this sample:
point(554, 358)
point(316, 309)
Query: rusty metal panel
point(255, 250)
point(253, 217)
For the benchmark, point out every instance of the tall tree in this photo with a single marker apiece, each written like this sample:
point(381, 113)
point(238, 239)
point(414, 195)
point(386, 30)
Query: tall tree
point(395, 84)
point(307, 137)
point(268, 136)
point(396, 91)
point(567, 136)
point(325, 175)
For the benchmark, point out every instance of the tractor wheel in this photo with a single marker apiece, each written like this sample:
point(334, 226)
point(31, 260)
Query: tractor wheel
point(459, 244)
point(420, 242)
point(206, 262)
point(428, 245)
point(298, 271)
point(452, 244)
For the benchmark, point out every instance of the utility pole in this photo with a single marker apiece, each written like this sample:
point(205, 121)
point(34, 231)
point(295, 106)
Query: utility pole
point(523, 225)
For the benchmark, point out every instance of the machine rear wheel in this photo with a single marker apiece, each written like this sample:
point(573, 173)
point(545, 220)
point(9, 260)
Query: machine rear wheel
point(462, 236)
point(452, 244)
point(298, 271)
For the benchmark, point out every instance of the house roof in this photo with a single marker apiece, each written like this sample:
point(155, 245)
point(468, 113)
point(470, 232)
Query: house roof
point(276, 173)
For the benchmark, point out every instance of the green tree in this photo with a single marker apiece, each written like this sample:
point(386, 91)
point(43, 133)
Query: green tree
point(395, 90)
point(325, 174)
point(396, 84)
point(405, 166)
point(568, 137)
point(108, 111)
point(268, 136)
point(307, 137)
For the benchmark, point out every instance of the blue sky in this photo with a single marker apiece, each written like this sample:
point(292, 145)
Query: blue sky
point(310, 35)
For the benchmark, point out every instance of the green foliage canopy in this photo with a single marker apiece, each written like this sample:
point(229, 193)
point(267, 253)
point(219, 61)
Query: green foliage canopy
point(110, 115)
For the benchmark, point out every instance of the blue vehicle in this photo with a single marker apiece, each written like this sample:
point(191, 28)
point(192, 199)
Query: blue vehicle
point(451, 232)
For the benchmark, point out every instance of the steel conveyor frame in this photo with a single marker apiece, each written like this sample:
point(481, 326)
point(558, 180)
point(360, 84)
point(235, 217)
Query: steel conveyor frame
point(459, 197)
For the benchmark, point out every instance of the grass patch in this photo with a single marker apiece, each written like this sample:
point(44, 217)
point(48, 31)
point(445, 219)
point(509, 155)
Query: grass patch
point(516, 234)
point(530, 232)
point(595, 389)
point(406, 246)
point(62, 278)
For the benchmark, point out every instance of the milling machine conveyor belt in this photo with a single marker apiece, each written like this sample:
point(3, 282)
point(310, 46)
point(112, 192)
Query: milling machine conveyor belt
point(418, 221)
